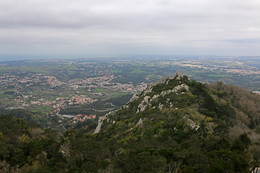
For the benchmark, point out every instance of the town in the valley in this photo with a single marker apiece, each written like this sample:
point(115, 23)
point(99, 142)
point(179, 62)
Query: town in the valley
point(84, 90)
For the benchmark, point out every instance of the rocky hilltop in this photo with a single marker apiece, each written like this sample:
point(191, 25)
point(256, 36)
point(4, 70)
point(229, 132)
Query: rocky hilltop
point(186, 125)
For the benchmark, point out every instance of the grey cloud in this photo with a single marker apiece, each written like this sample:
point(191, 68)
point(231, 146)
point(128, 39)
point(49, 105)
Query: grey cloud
point(244, 41)
point(171, 25)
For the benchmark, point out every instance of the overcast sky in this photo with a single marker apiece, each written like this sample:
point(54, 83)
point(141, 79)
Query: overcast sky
point(78, 28)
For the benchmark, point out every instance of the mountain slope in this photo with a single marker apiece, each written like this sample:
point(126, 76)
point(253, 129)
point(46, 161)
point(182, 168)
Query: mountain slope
point(185, 125)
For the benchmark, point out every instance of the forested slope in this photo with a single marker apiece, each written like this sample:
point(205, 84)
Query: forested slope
point(175, 125)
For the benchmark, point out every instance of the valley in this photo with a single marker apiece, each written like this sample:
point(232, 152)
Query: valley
point(59, 90)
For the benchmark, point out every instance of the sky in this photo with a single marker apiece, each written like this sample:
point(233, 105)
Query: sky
point(85, 28)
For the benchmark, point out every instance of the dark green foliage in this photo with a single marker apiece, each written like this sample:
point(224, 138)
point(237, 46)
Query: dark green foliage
point(21, 149)
point(226, 160)
point(140, 161)
point(46, 121)
point(245, 140)
point(18, 158)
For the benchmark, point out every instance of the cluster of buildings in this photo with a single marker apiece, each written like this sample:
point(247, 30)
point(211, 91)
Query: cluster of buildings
point(53, 81)
point(29, 86)
point(256, 92)
point(105, 82)
point(61, 102)
point(82, 118)
point(91, 83)
point(20, 81)
point(244, 71)
point(227, 66)
point(57, 104)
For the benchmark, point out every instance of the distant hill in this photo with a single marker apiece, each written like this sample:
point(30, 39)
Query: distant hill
point(175, 125)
